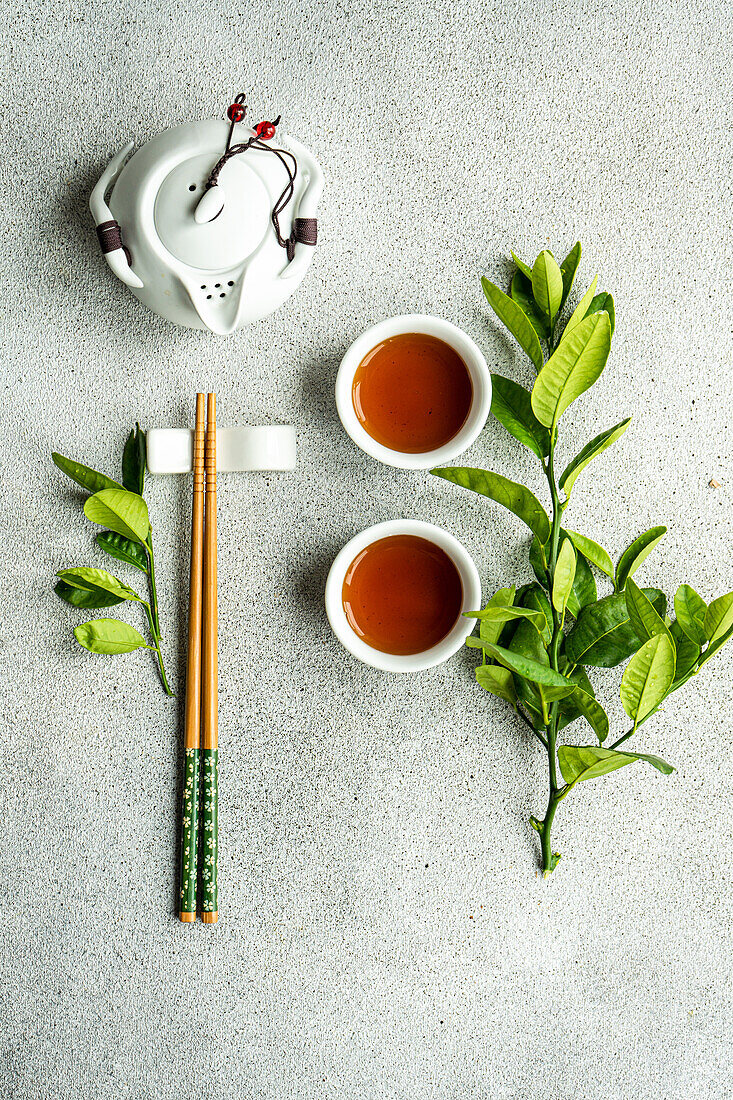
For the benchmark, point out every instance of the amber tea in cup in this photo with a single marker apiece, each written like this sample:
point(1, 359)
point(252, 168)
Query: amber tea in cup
point(402, 594)
point(412, 393)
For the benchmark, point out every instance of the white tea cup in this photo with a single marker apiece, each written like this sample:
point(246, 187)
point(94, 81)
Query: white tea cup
point(411, 662)
point(467, 350)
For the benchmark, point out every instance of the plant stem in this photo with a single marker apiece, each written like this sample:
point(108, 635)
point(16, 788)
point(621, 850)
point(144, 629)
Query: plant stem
point(556, 512)
point(152, 607)
point(625, 737)
point(549, 858)
point(529, 725)
point(632, 731)
point(153, 589)
point(153, 616)
point(156, 647)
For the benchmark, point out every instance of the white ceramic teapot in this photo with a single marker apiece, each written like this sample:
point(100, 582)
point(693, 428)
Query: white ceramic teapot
point(210, 224)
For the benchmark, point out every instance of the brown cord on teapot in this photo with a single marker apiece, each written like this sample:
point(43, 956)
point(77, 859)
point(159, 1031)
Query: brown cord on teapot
point(305, 230)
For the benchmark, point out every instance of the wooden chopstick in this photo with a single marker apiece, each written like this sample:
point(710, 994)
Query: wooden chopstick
point(190, 814)
point(210, 686)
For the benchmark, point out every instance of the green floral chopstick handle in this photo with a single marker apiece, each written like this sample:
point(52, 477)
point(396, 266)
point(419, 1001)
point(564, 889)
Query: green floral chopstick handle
point(189, 834)
point(209, 831)
point(192, 735)
point(209, 907)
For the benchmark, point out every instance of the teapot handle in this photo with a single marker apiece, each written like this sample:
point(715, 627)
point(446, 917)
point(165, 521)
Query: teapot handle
point(108, 230)
point(307, 206)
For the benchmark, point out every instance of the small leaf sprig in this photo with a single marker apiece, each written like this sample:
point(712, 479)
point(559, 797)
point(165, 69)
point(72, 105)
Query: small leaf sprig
point(538, 641)
point(120, 508)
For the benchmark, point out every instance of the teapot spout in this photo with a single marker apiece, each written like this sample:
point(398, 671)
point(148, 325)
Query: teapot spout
point(221, 318)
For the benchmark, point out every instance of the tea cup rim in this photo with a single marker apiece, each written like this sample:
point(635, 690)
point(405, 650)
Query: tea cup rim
point(427, 325)
point(411, 662)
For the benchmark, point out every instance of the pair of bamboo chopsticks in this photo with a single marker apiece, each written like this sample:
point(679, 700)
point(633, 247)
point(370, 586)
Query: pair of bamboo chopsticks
point(201, 751)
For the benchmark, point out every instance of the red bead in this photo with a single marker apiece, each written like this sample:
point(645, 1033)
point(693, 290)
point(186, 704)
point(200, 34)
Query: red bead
point(265, 131)
point(235, 113)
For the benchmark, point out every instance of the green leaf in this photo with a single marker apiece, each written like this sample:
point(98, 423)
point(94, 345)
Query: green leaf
point(595, 554)
point(578, 675)
point(534, 597)
point(521, 292)
point(98, 580)
point(572, 369)
point(134, 462)
point(603, 635)
point(490, 632)
point(638, 552)
point(584, 586)
point(123, 549)
point(551, 694)
point(123, 512)
point(511, 404)
point(687, 652)
point(526, 642)
point(568, 711)
point(84, 475)
point(579, 763)
point(580, 311)
point(568, 268)
point(507, 631)
point(648, 677)
point(593, 712)
point(81, 597)
point(496, 613)
point(547, 285)
point(109, 636)
point(642, 613)
point(564, 576)
point(523, 267)
point(498, 681)
point(713, 648)
point(603, 303)
point(719, 618)
point(529, 669)
point(518, 499)
point(591, 450)
point(538, 566)
point(584, 589)
point(690, 610)
point(511, 315)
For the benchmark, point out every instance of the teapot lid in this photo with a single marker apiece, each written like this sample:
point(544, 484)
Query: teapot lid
point(233, 233)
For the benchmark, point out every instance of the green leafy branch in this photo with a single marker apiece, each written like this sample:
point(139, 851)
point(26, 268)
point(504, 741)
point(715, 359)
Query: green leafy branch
point(538, 641)
point(120, 508)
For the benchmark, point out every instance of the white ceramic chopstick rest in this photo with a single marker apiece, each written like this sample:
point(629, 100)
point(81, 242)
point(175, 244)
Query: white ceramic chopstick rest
point(170, 450)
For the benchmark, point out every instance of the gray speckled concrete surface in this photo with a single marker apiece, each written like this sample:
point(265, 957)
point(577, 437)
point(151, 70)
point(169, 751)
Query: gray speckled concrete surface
point(384, 933)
